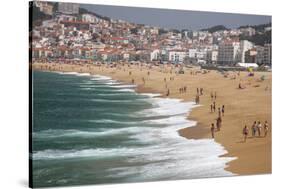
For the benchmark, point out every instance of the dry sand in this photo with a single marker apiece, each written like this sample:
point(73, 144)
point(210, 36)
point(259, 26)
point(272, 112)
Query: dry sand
point(242, 106)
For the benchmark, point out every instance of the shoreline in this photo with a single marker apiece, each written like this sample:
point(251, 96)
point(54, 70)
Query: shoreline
point(201, 130)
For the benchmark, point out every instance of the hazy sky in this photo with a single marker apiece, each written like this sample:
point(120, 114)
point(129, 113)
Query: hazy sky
point(177, 19)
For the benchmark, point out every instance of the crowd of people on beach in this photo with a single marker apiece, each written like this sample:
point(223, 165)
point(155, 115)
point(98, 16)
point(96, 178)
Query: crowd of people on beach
point(220, 111)
point(256, 129)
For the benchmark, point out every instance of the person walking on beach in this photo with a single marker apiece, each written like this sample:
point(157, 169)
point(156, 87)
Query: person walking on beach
point(254, 129)
point(218, 123)
point(197, 99)
point(259, 128)
point(133, 81)
point(219, 111)
point(245, 132)
point(201, 91)
point(168, 92)
point(215, 95)
point(266, 128)
point(214, 106)
point(212, 95)
point(211, 108)
point(222, 110)
point(213, 130)
point(197, 90)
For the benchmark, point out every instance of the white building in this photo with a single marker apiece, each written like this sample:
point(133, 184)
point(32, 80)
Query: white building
point(248, 31)
point(228, 52)
point(45, 7)
point(68, 8)
point(244, 47)
point(177, 56)
point(212, 57)
point(264, 54)
point(155, 55)
point(90, 18)
point(192, 53)
point(267, 54)
point(259, 56)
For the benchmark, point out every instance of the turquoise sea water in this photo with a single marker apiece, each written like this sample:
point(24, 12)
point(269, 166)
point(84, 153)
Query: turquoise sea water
point(94, 130)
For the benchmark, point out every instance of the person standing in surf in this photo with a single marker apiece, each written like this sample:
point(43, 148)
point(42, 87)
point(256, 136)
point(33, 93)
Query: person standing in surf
point(213, 130)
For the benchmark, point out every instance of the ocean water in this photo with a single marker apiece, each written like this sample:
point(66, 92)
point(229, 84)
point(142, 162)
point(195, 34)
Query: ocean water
point(95, 130)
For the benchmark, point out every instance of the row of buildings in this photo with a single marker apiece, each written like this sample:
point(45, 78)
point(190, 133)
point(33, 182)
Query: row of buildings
point(72, 35)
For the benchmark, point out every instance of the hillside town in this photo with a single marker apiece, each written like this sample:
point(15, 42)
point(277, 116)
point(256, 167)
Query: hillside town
point(72, 35)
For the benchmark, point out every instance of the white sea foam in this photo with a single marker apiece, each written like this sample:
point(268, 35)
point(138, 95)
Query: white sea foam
point(74, 73)
point(99, 77)
point(123, 86)
point(121, 101)
point(83, 74)
point(167, 107)
point(58, 133)
point(163, 155)
point(151, 94)
point(126, 90)
point(68, 73)
point(112, 82)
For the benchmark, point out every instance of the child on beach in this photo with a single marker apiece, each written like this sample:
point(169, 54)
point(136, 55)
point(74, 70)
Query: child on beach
point(213, 130)
point(245, 132)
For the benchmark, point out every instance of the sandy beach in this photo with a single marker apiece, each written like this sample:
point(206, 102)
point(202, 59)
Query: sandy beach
point(242, 106)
